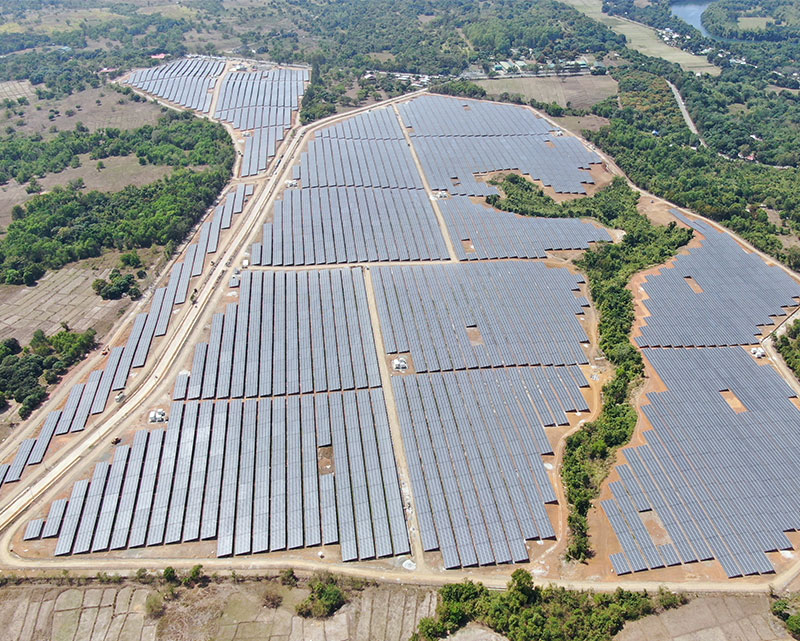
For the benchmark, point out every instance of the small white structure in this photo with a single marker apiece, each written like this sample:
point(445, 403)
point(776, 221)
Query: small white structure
point(400, 364)
point(158, 416)
point(758, 352)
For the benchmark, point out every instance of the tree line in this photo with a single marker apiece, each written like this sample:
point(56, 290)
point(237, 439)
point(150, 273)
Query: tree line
point(525, 611)
point(609, 267)
point(24, 373)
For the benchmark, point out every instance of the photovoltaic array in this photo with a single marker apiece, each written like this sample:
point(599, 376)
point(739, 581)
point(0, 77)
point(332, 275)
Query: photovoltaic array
point(91, 397)
point(719, 466)
point(721, 478)
point(740, 293)
point(524, 313)
point(260, 103)
point(479, 232)
point(350, 225)
point(474, 441)
point(245, 473)
point(456, 139)
point(291, 332)
point(187, 82)
point(288, 387)
point(473, 426)
point(361, 199)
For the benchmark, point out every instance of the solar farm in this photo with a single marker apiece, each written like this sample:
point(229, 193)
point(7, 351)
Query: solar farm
point(363, 363)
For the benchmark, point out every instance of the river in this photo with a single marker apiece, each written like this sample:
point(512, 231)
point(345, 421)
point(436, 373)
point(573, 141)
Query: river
point(691, 12)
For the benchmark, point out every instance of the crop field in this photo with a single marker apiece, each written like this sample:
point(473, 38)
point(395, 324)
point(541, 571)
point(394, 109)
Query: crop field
point(63, 296)
point(644, 39)
point(580, 92)
point(13, 89)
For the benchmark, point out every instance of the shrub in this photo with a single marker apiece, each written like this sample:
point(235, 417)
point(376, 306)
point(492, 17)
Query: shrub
point(288, 577)
point(326, 597)
point(170, 575)
point(272, 599)
point(154, 605)
point(793, 625)
point(669, 600)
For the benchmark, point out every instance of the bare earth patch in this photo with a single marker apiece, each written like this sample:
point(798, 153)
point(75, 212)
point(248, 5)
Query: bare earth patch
point(577, 91)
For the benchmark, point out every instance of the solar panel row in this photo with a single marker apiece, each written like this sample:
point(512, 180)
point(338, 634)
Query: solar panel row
point(245, 473)
point(291, 332)
point(456, 139)
point(479, 232)
point(473, 441)
point(261, 103)
point(350, 225)
point(187, 82)
point(354, 162)
point(481, 314)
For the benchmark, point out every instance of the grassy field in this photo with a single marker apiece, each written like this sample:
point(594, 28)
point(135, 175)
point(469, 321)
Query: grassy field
point(752, 23)
point(118, 173)
point(577, 91)
point(644, 39)
point(114, 110)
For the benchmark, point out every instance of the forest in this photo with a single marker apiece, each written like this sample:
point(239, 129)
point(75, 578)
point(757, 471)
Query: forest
point(178, 140)
point(590, 451)
point(67, 224)
point(44, 359)
point(524, 611)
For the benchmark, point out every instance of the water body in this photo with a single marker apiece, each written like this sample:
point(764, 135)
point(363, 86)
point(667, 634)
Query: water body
point(691, 12)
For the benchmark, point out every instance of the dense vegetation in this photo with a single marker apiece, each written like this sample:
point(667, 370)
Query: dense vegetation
point(609, 267)
point(781, 19)
point(66, 224)
point(675, 166)
point(46, 358)
point(524, 612)
point(788, 345)
point(178, 140)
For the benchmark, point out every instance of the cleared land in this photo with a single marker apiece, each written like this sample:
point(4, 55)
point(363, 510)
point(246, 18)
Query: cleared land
point(119, 172)
point(13, 89)
point(113, 110)
point(580, 92)
point(644, 39)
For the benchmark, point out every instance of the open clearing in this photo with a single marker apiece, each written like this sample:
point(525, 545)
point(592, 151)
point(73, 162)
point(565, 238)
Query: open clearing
point(580, 92)
point(644, 39)
point(113, 110)
point(119, 172)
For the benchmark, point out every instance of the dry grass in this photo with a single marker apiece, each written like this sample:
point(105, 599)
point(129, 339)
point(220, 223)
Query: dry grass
point(193, 617)
point(119, 172)
point(579, 123)
point(114, 110)
point(580, 92)
point(644, 39)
